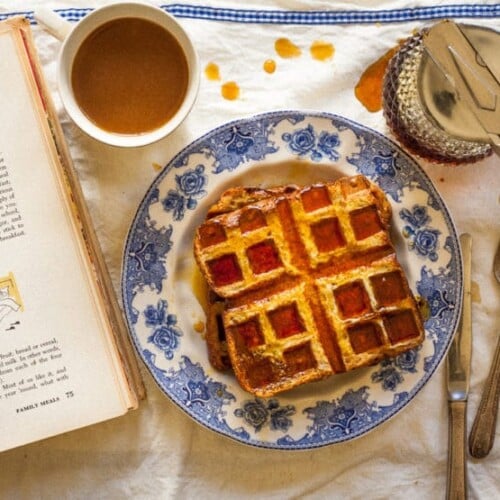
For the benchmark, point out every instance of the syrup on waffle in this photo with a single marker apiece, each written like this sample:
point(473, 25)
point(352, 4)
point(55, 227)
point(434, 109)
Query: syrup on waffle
point(309, 282)
point(215, 336)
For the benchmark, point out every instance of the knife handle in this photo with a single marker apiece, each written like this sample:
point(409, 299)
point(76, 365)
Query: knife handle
point(483, 429)
point(457, 471)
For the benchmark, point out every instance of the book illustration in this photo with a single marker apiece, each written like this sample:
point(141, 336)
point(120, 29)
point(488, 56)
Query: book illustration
point(10, 303)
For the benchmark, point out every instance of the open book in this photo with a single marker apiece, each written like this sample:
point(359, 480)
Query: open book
point(65, 360)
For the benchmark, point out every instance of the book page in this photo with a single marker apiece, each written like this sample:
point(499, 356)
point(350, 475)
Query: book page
point(56, 371)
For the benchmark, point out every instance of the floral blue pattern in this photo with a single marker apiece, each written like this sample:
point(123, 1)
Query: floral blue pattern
point(439, 291)
point(230, 146)
point(190, 387)
point(342, 417)
point(177, 358)
point(376, 159)
point(391, 372)
point(424, 240)
point(165, 334)
point(146, 254)
point(306, 141)
point(189, 187)
point(259, 412)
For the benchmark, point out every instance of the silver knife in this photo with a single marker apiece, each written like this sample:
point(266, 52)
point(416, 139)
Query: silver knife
point(458, 374)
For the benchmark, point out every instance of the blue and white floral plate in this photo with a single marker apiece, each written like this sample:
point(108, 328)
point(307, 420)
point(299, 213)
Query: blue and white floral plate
point(159, 295)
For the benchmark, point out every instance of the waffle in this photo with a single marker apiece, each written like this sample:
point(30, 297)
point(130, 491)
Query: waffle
point(240, 196)
point(215, 336)
point(309, 282)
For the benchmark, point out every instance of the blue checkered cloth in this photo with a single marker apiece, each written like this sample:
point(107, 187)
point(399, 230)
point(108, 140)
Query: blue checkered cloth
point(315, 17)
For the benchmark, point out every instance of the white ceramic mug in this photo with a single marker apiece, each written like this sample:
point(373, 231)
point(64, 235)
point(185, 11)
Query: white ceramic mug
point(74, 35)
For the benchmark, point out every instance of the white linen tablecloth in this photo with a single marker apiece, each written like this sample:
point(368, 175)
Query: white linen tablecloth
point(158, 451)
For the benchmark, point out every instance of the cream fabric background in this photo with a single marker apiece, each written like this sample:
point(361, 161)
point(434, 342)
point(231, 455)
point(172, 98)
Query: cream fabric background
point(159, 452)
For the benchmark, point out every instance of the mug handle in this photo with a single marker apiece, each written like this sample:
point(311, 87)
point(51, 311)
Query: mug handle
point(52, 22)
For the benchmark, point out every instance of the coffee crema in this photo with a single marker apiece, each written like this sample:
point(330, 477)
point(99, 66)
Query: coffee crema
point(130, 76)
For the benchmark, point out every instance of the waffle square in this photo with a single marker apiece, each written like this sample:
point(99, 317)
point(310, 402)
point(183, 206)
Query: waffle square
point(309, 281)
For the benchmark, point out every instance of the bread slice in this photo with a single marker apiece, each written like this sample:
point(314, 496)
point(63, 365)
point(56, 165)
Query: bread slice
point(233, 198)
point(310, 282)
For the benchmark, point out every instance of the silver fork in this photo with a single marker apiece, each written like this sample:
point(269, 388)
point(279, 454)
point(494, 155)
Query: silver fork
point(483, 429)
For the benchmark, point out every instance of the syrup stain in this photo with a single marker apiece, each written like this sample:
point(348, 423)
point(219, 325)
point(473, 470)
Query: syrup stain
point(286, 49)
point(424, 307)
point(199, 327)
point(230, 91)
point(368, 90)
point(269, 66)
point(212, 71)
point(200, 288)
point(321, 51)
point(156, 167)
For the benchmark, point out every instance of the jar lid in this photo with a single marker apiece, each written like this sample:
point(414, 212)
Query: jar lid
point(439, 97)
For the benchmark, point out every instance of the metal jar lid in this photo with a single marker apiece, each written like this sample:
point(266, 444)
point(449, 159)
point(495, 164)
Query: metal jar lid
point(442, 100)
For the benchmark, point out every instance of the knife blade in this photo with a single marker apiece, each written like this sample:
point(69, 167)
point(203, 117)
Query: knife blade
point(458, 375)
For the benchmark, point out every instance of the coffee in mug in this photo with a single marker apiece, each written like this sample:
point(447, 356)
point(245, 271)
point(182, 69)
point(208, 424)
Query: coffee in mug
point(128, 73)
